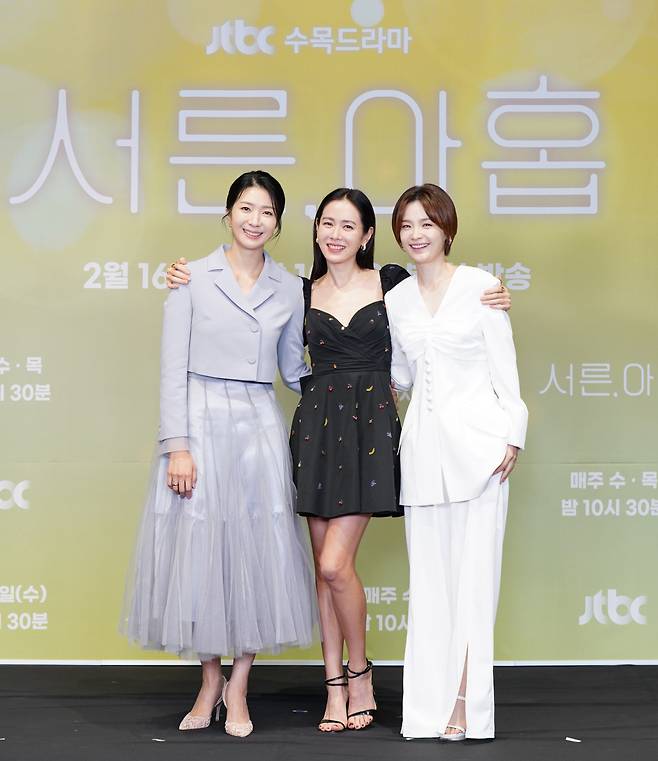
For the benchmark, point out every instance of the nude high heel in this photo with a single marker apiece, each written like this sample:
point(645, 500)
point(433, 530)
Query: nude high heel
point(234, 728)
point(201, 722)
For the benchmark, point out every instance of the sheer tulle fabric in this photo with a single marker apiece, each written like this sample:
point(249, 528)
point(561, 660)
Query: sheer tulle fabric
point(226, 572)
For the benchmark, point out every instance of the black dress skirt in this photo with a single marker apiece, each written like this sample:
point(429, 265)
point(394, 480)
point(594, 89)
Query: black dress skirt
point(346, 431)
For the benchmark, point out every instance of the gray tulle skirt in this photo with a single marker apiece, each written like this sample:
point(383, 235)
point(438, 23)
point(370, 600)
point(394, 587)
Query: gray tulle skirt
point(228, 571)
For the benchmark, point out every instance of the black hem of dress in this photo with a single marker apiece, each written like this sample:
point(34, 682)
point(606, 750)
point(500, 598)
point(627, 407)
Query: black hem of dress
point(342, 515)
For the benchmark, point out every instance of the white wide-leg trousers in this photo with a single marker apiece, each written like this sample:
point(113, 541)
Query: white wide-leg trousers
point(455, 557)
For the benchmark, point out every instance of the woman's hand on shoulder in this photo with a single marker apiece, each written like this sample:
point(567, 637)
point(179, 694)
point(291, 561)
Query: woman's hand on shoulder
point(496, 297)
point(178, 273)
point(181, 473)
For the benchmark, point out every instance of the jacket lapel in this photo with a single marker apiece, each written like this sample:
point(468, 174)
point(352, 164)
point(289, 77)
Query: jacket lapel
point(266, 284)
point(224, 279)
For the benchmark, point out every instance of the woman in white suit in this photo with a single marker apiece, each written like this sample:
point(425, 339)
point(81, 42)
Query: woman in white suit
point(465, 424)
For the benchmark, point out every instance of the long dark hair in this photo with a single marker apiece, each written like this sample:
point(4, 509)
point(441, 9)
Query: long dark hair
point(258, 179)
point(364, 259)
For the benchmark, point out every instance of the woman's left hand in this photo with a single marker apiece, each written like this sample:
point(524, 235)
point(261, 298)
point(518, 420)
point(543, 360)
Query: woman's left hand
point(497, 297)
point(507, 465)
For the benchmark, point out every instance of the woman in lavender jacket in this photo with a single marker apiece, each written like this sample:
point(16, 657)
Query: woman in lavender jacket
point(221, 567)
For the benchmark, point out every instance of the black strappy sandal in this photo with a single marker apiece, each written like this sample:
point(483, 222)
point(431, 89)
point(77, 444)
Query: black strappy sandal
point(335, 681)
point(368, 711)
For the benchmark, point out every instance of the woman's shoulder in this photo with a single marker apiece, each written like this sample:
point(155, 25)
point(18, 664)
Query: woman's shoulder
point(289, 279)
point(392, 275)
point(399, 295)
point(200, 265)
point(477, 277)
point(290, 285)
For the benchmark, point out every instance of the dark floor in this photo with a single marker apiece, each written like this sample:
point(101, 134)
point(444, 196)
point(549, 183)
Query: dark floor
point(84, 713)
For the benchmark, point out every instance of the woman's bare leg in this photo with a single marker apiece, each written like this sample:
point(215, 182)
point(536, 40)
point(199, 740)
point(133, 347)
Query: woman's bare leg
point(211, 687)
point(236, 692)
point(332, 636)
point(336, 565)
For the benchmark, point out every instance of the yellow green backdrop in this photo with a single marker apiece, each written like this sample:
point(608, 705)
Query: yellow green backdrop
point(122, 124)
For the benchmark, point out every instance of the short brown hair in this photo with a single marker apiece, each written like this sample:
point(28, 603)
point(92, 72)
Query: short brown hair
point(438, 206)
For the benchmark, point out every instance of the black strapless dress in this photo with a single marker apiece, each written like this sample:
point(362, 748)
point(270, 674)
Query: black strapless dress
point(346, 431)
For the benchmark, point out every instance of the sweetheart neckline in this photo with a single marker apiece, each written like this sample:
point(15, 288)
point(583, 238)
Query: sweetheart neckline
point(346, 325)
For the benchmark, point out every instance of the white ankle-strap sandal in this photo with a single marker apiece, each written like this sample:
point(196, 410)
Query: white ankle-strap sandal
point(461, 731)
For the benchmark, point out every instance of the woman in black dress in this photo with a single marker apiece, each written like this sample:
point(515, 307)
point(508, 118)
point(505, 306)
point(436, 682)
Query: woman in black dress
point(345, 436)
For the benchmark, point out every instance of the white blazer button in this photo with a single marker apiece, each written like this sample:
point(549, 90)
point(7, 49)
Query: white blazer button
point(255, 328)
point(252, 361)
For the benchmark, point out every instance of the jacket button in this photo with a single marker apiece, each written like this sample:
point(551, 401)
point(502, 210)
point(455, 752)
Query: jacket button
point(252, 361)
point(255, 328)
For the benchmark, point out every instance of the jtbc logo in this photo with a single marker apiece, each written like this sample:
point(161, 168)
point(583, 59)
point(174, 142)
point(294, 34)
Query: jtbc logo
point(13, 495)
point(234, 35)
point(621, 609)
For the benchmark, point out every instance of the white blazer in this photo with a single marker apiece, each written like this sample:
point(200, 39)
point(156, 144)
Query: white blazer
point(466, 405)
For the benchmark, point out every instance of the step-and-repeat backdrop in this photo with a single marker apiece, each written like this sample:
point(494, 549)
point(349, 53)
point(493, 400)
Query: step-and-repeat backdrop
point(121, 127)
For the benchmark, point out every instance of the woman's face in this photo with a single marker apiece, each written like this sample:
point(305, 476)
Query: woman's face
point(252, 219)
point(421, 239)
point(340, 232)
